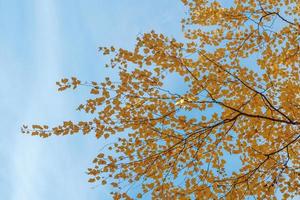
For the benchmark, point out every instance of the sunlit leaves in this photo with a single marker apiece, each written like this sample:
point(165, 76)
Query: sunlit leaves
point(228, 124)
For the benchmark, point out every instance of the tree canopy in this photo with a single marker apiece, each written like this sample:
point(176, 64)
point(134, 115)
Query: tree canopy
point(216, 116)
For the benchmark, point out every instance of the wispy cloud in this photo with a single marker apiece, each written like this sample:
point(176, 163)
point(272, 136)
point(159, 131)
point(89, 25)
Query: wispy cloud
point(52, 168)
point(28, 156)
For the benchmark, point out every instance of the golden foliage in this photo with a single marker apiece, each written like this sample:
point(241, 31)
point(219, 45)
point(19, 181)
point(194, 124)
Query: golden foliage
point(235, 95)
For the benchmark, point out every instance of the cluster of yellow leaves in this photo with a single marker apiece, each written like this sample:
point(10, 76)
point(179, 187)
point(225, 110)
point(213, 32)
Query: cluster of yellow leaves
point(236, 93)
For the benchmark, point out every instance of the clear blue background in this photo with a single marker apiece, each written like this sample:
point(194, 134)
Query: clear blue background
point(42, 41)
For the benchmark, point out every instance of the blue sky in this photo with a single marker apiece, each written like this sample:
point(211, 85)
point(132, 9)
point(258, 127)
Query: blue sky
point(43, 41)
